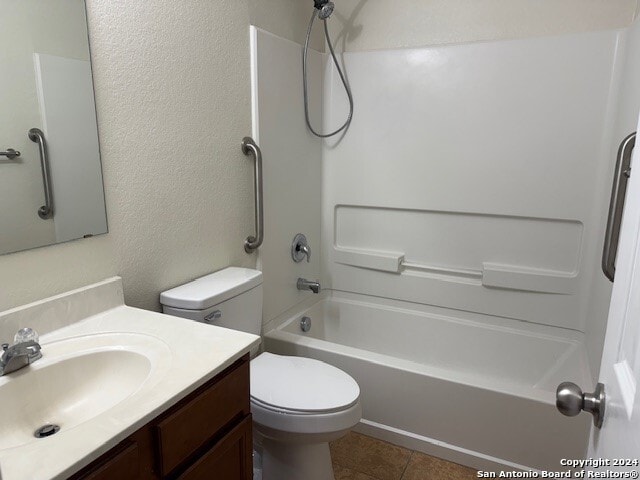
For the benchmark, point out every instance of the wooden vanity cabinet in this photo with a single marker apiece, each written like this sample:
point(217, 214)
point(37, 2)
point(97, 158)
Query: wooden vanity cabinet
point(207, 435)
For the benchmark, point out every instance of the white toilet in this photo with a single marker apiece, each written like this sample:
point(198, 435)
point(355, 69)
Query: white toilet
point(298, 404)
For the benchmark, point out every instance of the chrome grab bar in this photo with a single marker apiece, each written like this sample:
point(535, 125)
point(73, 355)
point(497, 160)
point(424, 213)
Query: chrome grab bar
point(616, 206)
point(10, 153)
point(249, 147)
point(45, 211)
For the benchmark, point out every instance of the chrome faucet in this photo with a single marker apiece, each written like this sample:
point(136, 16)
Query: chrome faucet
point(304, 284)
point(26, 350)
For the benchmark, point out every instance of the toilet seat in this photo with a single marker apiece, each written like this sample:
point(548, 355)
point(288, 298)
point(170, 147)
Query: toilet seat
point(304, 426)
point(300, 386)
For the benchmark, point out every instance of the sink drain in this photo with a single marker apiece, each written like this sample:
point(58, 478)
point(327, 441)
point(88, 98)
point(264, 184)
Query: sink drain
point(46, 431)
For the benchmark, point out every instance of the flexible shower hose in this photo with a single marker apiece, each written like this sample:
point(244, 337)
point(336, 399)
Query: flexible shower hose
point(342, 77)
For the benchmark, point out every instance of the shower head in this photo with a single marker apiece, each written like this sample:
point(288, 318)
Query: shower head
point(324, 7)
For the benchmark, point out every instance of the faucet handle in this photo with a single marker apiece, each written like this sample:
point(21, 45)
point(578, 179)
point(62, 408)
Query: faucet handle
point(26, 334)
point(300, 248)
point(307, 251)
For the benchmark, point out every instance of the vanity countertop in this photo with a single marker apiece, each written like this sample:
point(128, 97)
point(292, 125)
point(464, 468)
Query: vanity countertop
point(184, 355)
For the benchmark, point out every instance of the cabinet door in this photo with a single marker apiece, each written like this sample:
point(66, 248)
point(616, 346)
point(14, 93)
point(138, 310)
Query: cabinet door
point(229, 459)
point(191, 425)
point(124, 464)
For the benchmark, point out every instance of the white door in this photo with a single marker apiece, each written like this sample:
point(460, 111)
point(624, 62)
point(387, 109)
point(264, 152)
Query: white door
point(618, 441)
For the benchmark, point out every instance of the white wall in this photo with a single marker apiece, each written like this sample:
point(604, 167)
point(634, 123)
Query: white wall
point(378, 24)
point(56, 27)
point(622, 120)
point(173, 101)
point(292, 161)
point(478, 163)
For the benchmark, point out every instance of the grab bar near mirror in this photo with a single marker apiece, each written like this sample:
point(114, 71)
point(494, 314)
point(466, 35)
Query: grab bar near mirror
point(10, 153)
point(616, 206)
point(249, 147)
point(45, 211)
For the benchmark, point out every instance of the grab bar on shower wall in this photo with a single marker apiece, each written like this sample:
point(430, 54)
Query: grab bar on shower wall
point(616, 206)
point(45, 211)
point(10, 153)
point(250, 147)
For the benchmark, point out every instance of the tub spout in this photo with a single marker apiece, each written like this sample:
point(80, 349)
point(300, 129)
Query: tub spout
point(304, 284)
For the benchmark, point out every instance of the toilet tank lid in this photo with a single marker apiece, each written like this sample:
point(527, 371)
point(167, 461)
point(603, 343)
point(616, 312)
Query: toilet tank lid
point(212, 289)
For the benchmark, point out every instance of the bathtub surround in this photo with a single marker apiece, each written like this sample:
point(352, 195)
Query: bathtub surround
point(292, 165)
point(381, 24)
point(168, 76)
point(486, 206)
point(621, 120)
point(454, 194)
point(556, 186)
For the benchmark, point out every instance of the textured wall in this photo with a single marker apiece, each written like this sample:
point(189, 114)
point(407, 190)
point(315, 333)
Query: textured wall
point(176, 76)
point(377, 24)
point(173, 100)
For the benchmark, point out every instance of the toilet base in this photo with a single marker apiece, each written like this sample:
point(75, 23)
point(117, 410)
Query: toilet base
point(287, 461)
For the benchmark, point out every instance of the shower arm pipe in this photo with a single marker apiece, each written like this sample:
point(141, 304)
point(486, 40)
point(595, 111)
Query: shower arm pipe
point(252, 243)
point(46, 211)
point(616, 206)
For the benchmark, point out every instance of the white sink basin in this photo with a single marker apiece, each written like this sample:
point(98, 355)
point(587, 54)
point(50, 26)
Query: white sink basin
point(76, 380)
point(107, 370)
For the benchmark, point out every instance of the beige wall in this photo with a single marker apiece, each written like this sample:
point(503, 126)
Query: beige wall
point(287, 18)
point(378, 24)
point(173, 99)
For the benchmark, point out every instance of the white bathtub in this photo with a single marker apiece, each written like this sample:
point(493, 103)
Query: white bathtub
point(474, 389)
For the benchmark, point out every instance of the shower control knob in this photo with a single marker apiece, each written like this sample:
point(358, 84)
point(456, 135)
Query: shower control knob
point(570, 401)
point(300, 249)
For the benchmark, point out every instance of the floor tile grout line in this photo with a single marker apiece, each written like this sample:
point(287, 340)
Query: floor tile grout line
point(407, 465)
point(357, 470)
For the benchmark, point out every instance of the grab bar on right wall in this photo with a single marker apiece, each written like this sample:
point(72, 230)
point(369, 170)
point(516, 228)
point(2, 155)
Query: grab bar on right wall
point(45, 211)
point(616, 206)
point(252, 243)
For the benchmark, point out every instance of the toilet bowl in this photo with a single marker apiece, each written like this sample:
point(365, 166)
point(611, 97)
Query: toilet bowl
point(298, 404)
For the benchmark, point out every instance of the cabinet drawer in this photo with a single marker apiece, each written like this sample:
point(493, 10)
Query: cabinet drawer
point(123, 465)
point(229, 459)
point(191, 425)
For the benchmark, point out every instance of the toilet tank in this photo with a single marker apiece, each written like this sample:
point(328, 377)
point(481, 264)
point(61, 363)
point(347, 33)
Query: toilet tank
point(230, 298)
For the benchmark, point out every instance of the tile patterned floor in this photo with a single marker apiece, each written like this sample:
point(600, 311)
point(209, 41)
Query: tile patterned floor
point(358, 457)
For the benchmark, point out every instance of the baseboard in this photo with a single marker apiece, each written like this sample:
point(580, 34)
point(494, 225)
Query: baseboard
point(436, 448)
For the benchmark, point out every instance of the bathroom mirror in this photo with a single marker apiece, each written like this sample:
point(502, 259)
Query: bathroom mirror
point(51, 187)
